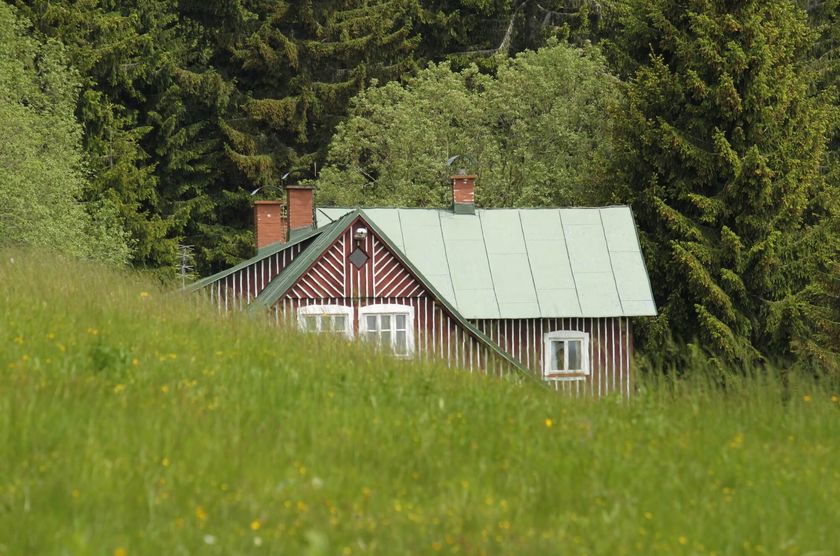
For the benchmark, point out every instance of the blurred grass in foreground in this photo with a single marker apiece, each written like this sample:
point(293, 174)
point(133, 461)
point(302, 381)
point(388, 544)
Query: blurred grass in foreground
point(135, 422)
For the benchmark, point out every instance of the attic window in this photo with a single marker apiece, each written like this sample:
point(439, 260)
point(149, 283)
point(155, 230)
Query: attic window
point(333, 319)
point(566, 355)
point(358, 258)
point(389, 326)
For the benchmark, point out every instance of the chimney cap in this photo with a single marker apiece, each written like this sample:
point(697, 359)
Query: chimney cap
point(270, 202)
point(464, 177)
point(296, 186)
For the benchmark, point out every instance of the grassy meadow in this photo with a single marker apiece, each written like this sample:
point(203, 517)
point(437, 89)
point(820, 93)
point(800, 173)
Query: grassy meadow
point(138, 422)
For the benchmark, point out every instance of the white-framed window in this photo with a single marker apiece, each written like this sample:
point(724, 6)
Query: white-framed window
point(390, 326)
point(333, 319)
point(566, 355)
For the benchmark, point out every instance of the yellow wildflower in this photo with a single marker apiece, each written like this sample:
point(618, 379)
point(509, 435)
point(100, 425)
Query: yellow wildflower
point(683, 540)
point(255, 525)
point(835, 398)
point(164, 389)
point(92, 331)
point(806, 398)
point(119, 388)
point(120, 552)
point(165, 462)
point(144, 295)
point(549, 423)
point(135, 361)
point(201, 513)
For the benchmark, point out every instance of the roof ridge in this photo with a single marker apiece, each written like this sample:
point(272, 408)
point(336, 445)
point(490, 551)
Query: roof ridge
point(446, 209)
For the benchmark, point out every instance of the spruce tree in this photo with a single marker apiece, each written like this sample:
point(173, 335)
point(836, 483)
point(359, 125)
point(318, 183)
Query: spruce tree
point(720, 149)
point(273, 79)
point(123, 51)
point(296, 65)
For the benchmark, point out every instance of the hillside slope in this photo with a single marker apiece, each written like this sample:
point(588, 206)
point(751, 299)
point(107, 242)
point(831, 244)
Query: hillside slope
point(138, 422)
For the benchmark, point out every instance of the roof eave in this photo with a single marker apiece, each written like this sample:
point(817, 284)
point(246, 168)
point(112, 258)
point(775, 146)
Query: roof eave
point(262, 253)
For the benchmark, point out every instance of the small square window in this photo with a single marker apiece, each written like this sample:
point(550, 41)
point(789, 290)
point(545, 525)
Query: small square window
point(358, 258)
point(566, 355)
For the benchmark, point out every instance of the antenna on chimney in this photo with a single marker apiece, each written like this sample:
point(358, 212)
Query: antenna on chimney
point(465, 157)
point(280, 187)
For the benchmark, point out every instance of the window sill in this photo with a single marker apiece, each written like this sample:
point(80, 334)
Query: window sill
point(565, 376)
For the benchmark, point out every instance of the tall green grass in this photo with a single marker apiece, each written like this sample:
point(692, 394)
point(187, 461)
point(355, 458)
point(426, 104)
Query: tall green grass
point(138, 422)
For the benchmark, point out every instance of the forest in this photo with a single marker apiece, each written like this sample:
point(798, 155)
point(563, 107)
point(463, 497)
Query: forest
point(135, 132)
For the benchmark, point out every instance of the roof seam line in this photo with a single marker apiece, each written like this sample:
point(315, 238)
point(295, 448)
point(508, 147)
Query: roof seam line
point(489, 267)
point(528, 258)
point(446, 258)
point(569, 257)
point(402, 233)
point(325, 214)
point(609, 257)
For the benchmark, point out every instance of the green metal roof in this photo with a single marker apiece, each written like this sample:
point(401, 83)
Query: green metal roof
point(522, 263)
point(267, 251)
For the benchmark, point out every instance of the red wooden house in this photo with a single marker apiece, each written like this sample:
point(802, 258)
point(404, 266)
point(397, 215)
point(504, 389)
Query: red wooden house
point(545, 291)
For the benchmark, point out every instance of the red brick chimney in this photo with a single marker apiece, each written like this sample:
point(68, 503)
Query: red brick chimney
point(269, 223)
point(301, 203)
point(463, 193)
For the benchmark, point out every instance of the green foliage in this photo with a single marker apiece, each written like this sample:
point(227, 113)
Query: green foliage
point(299, 64)
point(122, 51)
point(43, 170)
point(720, 146)
point(139, 420)
point(468, 32)
point(535, 131)
point(825, 59)
point(728, 144)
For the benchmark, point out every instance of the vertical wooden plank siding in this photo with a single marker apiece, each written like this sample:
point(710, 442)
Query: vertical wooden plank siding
point(238, 289)
point(610, 350)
